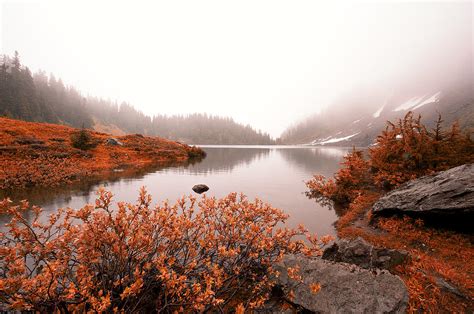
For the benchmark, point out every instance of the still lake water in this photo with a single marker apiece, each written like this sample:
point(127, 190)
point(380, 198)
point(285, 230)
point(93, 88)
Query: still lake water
point(275, 174)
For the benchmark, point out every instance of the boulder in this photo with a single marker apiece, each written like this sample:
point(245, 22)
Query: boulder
point(447, 196)
point(344, 288)
point(364, 254)
point(200, 188)
point(113, 142)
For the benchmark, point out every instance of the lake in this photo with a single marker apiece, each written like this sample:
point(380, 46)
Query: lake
point(275, 174)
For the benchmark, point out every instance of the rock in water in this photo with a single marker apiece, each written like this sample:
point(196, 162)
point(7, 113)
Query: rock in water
point(200, 188)
point(446, 197)
point(363, 254)
point(344, 288)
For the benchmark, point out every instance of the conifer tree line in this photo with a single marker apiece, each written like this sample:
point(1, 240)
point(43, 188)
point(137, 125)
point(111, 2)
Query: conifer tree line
point(37, 97)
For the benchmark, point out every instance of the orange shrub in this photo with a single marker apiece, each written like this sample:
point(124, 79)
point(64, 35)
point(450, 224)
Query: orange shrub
point(408, 149)
point(353, 177)
point(196, 255)
point(404, 151)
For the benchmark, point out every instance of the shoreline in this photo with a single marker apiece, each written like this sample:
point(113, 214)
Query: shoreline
point(40, 154)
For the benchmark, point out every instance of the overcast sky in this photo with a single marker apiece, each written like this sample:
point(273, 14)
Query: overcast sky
point(266, 63)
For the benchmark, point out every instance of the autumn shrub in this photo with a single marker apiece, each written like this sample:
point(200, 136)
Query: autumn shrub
point(196, 255)
point(405, 150)
point(44, 170)
point(408, 149)
point(353, 177)
point(196, 153)
point(83, 140)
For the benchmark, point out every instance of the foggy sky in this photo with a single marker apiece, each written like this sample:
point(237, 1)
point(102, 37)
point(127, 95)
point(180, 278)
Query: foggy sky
point(266, 63)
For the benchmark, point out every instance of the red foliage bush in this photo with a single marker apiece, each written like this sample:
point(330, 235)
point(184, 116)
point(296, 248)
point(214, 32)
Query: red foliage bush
point(408, 149)
point(196, 255)
point(353, 177)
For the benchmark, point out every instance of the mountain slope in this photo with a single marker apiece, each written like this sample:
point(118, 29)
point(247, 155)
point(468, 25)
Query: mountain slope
point(358, 118)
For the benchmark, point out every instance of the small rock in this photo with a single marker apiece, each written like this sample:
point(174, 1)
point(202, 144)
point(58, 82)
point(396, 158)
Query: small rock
point(200, 188)
point(113, 142)
point(363, 254)
point(444, 285)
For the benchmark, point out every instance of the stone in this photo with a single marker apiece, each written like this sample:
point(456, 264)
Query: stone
point(364, 254)
point(344, 287)
point(200, 188)
point(446, 197)
point(444, 285)
point(113, 142)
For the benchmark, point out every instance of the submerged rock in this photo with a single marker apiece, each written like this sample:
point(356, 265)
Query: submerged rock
point(364, 254)
point(200, 188)
point(344, 288)
point(447, 197)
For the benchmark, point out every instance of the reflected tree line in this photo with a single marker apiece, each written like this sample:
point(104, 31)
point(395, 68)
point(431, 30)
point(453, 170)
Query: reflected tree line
point(218, 160)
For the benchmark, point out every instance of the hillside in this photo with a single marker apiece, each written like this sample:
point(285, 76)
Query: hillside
point(39, 98)
point(358, 117)
point(41, 154)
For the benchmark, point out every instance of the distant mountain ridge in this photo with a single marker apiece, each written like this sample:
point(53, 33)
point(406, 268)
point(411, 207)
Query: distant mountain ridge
point(39, 98)
point(356, 119)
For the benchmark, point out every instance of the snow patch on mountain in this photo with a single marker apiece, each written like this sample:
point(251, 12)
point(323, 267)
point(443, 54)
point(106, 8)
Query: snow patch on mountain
point(330, 140)
point(409, 103)
point(378, 112)
point(429, 100)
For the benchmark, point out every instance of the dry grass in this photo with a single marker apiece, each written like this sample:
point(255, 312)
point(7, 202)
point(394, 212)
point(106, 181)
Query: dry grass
point(41, 154)
point(435, 255)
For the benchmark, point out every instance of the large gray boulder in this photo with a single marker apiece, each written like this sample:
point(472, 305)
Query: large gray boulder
point(446, 195)
point(345, 288)
point(364, 254)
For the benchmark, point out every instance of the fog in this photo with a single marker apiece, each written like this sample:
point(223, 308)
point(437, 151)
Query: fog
point(265, 63)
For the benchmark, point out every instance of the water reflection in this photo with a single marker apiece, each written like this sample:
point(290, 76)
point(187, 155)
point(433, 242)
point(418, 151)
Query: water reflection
point(59, 196)
point(315, 159)
point(274, 174)
point(225, 160)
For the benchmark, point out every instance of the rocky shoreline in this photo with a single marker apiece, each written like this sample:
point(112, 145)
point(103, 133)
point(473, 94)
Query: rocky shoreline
point(357, 276)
